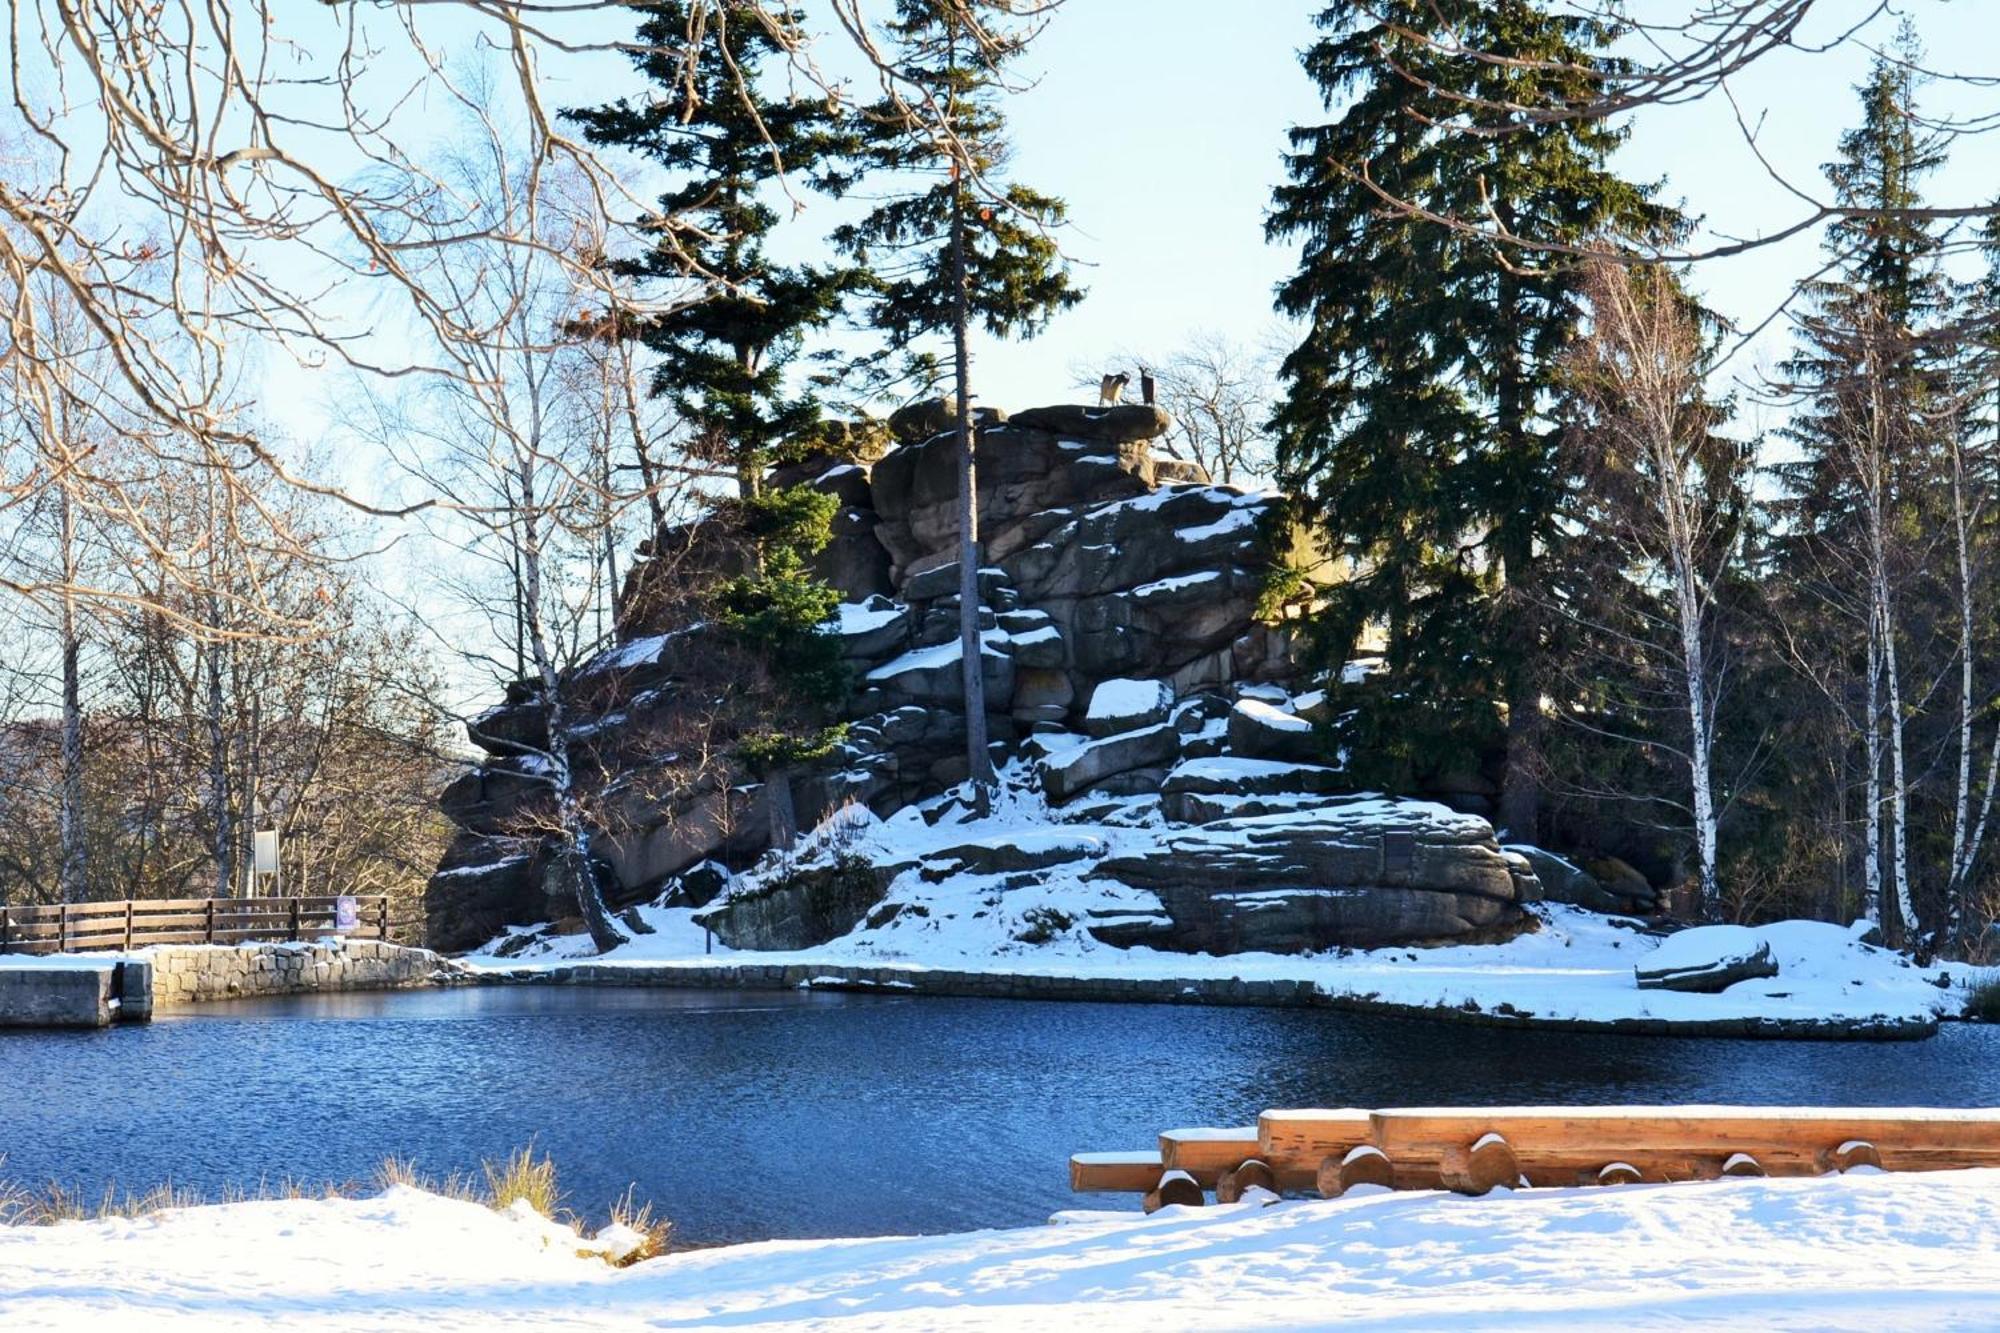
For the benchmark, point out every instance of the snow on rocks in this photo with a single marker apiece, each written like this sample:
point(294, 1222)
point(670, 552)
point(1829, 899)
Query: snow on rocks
point(1860, 1252)
point(1707, 959)
point(1080, 768)
point(1127, 705)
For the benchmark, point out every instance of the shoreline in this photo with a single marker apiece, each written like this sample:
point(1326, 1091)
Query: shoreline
point(1298, 993)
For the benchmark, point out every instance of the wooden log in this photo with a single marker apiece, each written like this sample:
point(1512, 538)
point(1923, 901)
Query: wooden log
point(1302, 1138)
point(1562, 1135)
point(1363, 1164)
point(1206, 1153)
point(1487, 1164)
point(1741, 1164)
point(1114, 1172)
point(1619, 1173)
point(1175, 1187)
point(1852, 1154)
point(1236, 1181)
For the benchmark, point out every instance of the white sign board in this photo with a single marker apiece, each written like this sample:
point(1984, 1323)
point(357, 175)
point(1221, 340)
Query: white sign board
point(346, 915)
point(265, 847)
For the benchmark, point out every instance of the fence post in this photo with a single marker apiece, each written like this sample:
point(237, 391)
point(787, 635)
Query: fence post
point(295, 920)
point(382, 918)
point(128, 925)
point(62, 928)
point(6, 928)
point(209, 925)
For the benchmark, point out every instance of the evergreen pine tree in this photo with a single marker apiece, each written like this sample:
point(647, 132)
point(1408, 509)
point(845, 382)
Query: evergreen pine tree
point(724, 359)
point(964, 245)
point(1418, 427)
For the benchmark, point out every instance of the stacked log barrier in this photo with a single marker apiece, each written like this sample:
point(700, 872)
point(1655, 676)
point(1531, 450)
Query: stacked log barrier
point(1473, 1151)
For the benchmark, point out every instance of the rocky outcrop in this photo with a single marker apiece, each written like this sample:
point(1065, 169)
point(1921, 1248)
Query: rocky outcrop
point(799, 911)
point(1352, 875)
point(1128, 676)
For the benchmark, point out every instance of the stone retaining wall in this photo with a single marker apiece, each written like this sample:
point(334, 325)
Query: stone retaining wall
point(195, 973)
point(1276, 993)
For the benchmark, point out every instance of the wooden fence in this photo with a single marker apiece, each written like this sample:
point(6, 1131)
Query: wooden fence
point(1473, 1150)
point(132, 924)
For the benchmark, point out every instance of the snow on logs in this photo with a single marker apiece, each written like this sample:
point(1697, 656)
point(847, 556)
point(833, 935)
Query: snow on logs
point(1473, 1150)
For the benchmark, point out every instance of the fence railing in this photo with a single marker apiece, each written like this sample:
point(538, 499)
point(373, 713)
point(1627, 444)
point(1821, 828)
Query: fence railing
point(135, 923)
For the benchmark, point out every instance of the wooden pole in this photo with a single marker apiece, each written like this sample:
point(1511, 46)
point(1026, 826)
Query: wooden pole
point(62, 928)
point(128, 925)
point(295, 920)
point(208, 929)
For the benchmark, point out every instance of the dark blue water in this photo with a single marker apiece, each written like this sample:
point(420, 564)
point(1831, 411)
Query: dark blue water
point(745, 1116)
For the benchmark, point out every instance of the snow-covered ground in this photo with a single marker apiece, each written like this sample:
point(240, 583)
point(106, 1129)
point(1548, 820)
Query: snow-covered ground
point(1862, 1251)
point(1575, 967)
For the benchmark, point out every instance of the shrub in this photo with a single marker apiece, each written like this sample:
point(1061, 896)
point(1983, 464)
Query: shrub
point(1982, 1002)
point(1043, 924)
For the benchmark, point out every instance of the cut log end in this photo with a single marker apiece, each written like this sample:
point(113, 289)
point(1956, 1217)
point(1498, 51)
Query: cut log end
point(1365, 1165)
point(1855, 1153)
point(1488, 1164)
point(1175, 1187)
point(1742, 1164)
point(1619, 1173)
point(1253, 1174)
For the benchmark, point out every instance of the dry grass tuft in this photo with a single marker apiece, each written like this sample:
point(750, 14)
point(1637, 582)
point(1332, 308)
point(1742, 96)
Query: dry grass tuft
point(521, 1177)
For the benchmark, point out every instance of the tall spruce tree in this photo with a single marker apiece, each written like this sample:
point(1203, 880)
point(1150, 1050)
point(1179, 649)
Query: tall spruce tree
point(964, 245)
point(1872, 430)
point(724, 359)
point(1418, 428)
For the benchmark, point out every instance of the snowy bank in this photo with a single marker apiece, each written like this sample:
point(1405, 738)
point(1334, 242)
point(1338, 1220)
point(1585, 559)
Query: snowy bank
point(1861, 1251)
point(1575, 971)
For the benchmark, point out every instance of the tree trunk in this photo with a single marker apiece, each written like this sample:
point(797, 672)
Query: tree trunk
point(218, 774)
point(779, 810)
point(74, 874)
point(1871, 868)
point(573, 855)
point(979, 760)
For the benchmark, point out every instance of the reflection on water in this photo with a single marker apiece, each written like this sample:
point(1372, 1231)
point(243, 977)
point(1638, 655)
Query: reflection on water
point(755, 1115)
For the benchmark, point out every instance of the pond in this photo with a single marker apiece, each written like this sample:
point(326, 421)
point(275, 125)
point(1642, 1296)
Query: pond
point(746, 1115)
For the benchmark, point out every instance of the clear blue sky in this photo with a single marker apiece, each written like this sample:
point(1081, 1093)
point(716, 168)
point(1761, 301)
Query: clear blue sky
point(1162, 122)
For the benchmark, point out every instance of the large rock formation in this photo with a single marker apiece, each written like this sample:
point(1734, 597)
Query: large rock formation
point(1124, 661)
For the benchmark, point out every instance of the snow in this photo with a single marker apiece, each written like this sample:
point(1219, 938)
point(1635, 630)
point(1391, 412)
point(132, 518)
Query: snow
point(1574, 967)
point(636, 653)
point(932, 658)
point(1704, 947)
point(1159, 587)
point(1114, 699)
point(853, 618)
point(1862, 1251)
point(1273, 717)
point(1235, 521)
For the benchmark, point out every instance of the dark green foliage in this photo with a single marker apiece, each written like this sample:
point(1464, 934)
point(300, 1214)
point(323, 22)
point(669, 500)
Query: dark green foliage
point(1875, 430)
point(1418, 428)
point(1016, 278)
point(724, 359)
point(775, 612)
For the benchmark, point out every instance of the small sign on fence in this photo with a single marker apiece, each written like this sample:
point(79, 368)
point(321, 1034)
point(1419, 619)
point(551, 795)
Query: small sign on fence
point(264, 847)
point(346, 915)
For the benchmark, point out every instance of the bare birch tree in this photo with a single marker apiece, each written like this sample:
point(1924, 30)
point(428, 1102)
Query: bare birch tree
point(1666, 492)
